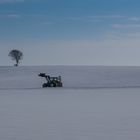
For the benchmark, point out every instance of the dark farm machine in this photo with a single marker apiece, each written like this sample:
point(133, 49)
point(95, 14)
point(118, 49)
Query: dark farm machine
point(51, 81)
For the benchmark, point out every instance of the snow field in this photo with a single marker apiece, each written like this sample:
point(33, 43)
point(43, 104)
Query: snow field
point(101, 114)
point(96, 103)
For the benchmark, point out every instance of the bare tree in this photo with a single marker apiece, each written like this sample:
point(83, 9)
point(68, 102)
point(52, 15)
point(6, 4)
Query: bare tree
point(16, 55)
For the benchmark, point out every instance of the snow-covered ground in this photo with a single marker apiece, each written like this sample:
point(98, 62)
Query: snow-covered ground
point(85, 109)
point(73, 77)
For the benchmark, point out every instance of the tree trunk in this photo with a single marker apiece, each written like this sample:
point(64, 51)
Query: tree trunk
point(17, 62)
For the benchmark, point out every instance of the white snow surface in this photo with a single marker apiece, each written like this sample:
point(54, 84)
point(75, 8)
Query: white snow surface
point(72, 76)
point(96, 103)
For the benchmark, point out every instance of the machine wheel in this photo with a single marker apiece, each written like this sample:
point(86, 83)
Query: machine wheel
point(45, 85)
point(60, 84)
point(52, 84)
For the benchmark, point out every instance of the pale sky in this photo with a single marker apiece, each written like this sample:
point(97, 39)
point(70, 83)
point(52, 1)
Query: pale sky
point(71, 32)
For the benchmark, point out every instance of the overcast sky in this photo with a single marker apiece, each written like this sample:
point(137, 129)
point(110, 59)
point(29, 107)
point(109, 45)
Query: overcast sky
point(71, 32)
